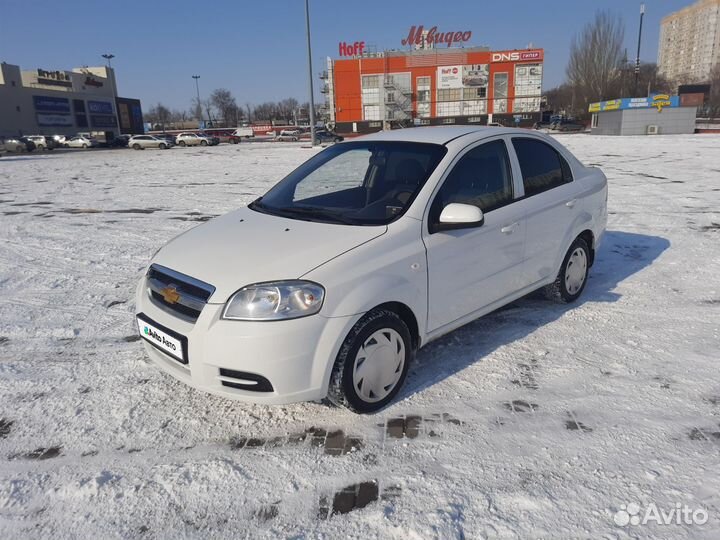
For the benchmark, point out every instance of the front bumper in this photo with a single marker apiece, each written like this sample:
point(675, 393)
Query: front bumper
point(296, 356)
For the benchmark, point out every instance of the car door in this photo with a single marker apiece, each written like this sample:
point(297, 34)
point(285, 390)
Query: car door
point(550, 205)
point(471, 268)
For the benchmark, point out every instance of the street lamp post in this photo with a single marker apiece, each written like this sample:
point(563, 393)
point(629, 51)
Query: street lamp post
point(310, 74)
point(637, 58)
point(197, 88)
point(109, 57)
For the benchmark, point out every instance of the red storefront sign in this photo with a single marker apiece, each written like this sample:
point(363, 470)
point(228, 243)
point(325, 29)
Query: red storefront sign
point(357, 48)
point(415, 36)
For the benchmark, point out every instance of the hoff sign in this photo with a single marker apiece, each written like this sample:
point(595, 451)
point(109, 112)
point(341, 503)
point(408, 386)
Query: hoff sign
point(355, 49)
point(415, 36)
point(515, 56)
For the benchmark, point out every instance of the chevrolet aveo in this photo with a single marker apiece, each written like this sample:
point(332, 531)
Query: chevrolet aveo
point(328, 284)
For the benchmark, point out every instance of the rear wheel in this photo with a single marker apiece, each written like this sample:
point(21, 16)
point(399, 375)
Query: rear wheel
point(40, 147)
point(84, 146)
point(572, 278)
point(203, 143)
point(373, 362)
point(162, 146)
point(136, 146)
point(182, 143)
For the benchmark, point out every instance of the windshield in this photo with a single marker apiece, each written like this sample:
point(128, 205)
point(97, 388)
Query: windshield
point(356, 183)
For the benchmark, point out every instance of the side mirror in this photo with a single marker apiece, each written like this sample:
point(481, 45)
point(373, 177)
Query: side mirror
point(459, 216)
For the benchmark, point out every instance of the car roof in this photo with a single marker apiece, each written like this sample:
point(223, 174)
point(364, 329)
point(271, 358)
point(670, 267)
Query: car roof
point(439, 134)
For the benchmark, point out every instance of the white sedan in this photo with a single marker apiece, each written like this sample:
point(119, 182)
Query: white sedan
point(80, 142)
point(329, 283)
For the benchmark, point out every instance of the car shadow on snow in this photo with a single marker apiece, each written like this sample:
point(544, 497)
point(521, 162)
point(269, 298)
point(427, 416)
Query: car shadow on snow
point(621, 255)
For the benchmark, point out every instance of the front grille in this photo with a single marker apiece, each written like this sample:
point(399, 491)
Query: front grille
point(178, 293)
point(244, 381)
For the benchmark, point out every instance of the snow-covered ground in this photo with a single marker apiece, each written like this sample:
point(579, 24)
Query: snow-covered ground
point(537, 421)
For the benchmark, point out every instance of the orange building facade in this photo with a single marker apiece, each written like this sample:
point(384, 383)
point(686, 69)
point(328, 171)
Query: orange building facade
point(473, 85)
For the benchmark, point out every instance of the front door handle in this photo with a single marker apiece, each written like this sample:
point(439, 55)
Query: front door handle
point(571, 203)
point(509, 229)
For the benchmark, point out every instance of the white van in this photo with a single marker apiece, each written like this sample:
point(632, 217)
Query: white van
point(244, 132)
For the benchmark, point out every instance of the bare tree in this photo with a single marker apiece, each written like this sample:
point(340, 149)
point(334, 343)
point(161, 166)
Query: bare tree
point(595, 58)
point(158, 116)
point(223, 100)
point(649, 80)
point(561, 99)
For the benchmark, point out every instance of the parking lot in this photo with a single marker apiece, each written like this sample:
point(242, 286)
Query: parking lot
point(539, 420)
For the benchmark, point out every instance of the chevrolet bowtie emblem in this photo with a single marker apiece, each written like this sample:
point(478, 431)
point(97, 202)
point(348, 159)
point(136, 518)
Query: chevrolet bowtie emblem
point(170, 294)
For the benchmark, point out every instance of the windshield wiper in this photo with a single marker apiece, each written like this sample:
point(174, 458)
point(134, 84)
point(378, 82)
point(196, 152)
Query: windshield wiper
point(321, 213)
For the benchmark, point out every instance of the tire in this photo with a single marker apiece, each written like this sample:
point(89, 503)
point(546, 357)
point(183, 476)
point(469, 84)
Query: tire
point(203, 143)
point(235, 141)
point(162, 146)
point(384, 325)
point(182, 143)
point(136, 146)
point(84, 146)
point(40, 147)
point(572, 277)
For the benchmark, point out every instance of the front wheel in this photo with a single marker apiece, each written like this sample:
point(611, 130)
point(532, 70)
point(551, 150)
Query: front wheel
point(84, 146)
point(182, 143)
point(136, 146)
point(572, 278)
point(162, 146)
point(372, 363)
point(203, 143)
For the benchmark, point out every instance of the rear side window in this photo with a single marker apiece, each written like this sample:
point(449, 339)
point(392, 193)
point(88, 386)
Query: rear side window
point(542, 167)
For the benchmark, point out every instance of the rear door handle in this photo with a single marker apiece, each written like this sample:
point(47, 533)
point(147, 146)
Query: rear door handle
point(571, 203)
point(509, 229)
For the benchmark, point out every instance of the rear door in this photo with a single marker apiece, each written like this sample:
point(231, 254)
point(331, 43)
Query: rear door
point(468, 269)
point(550, 205)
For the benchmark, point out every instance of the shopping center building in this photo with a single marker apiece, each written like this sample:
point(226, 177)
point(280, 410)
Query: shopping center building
point(84, 100)
point(436, 79)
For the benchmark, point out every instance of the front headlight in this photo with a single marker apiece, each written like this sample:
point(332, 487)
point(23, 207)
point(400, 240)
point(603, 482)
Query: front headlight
point(275, 300)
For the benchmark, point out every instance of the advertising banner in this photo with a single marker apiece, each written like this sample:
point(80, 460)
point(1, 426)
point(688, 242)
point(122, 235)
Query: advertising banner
point(449, 77)
point(103, 121)
point(476, 75)
point(54, 120)
point(657, 101)
point(51, 104)
point(100, 107)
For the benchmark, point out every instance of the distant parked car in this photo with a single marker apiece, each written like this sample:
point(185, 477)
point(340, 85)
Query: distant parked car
point(81, 141)
point(288, 135)
point(241, 133)
point(324, 135)
point(42, 142)
point(141, 142)
point(120, 141)
point(167, 137)
point(542, 125)
point(214, 139)
point(18, 145)
point(567, 125)
point(192, 139)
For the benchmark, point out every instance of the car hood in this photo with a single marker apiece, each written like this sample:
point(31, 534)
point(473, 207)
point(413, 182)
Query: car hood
point(245, 247)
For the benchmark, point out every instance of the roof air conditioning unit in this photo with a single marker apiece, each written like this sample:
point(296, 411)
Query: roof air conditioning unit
point(653, 130)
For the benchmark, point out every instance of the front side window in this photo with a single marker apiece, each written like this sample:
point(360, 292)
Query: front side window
point(542, 167)
point(482, 178)
point(357, 183)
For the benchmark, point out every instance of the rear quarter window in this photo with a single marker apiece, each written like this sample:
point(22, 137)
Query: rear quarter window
point(542, 167)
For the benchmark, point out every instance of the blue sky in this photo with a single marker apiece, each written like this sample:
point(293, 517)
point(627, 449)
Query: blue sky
point(256, 49)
